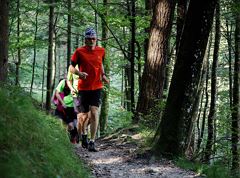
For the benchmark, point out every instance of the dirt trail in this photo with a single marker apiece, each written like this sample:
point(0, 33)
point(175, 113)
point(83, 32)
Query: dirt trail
point(117, 158)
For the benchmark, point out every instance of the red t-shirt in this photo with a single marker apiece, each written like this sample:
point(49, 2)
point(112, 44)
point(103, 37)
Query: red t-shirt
point(89, 61)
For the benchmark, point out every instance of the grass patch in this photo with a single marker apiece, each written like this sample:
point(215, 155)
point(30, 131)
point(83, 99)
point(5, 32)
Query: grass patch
point(33, 144)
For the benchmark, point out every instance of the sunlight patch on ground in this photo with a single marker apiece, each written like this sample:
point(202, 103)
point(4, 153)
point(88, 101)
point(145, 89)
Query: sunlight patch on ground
point(136, 137)
point(161, 170)
point(108, 160)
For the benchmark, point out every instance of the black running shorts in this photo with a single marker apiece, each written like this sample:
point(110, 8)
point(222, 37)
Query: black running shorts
point(70, 115)
point(89, 98)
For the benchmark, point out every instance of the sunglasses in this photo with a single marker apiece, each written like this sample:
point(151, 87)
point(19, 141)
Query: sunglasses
point(90, 38)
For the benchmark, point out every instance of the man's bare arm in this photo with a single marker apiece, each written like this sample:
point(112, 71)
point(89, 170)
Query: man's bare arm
point(82, 75)
point(104, 77)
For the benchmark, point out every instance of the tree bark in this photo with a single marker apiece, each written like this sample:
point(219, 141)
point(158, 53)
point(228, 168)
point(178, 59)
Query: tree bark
point(206, 95)
point(105, 94)
point(212, 110)
point(50, 56)
point(149, 11)
point(34, 48)
point(4, 10)
point(43, 77)
point(236, 104)
point(174, 127)
point(69, 31)
point(127, 77)
point(229, 41)
point(132, 54)
point(181, 13)
point(95, 2)
point(154, 70)
point(19, 60)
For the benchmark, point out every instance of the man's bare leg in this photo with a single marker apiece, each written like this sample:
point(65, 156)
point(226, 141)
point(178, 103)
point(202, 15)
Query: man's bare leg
point(85, 123)
point(93, 122)
point(82, 118)
point(93, 127)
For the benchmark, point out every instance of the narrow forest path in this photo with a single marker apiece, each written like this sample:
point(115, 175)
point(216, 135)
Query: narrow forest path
point(117, 158)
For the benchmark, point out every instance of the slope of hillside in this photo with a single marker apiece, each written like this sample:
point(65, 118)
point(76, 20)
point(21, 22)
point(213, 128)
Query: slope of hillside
point(33, 144)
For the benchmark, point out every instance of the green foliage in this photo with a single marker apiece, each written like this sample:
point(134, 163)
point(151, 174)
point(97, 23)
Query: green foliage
point(118, 118)
point(152, 119)
point(186, 164)
point(32, 143)
point(217, 170)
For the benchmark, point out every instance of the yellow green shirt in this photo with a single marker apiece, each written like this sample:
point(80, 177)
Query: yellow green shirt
point(74, 78)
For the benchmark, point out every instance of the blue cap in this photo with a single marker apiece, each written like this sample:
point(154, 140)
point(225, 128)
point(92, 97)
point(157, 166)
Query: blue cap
point(90, 33)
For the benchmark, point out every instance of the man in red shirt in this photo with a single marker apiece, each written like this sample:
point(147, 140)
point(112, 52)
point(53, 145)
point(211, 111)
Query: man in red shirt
point(89, 59)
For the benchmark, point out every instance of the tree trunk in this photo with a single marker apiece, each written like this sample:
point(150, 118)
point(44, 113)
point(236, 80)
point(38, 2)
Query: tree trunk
point(149, 11)
point(43, 77)
point(50, 56)
point(4, 9)
point(172, 132)
point(69, 31)
point(19, 60)
point(154, 70)
point(212, 110)
point(190, 139)
point(95, 2)
point(181, 13)
point(105, 94)
point(127, 70)
point(34, 48)
point(229, 41)
point(206, 95)
point(236, 104)
point(76, 41)
point(199, 129)
point(54, 59)
point(127, 77)
point(132, 54)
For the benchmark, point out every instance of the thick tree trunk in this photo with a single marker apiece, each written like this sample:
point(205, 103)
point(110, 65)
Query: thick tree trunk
point(4, 9)
point(173, 129)
point(181, 13)
point(149, 11)
point(154, 70)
